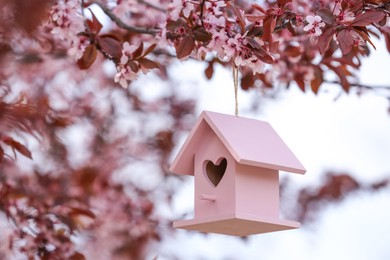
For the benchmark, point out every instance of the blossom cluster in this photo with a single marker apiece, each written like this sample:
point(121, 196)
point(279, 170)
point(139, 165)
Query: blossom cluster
point(125, 73)
point(314, 26)
point(251, 38)
point(235, 36)
point(227, 41)
point(67, 22)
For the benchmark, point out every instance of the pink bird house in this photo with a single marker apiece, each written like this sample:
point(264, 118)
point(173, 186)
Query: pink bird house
point(236, 163)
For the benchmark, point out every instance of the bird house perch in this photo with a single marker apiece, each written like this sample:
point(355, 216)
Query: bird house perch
point(236, 163)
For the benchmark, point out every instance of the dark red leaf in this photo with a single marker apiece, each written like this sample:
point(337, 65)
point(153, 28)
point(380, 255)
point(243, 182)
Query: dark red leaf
point(77, 256)
point(147, 63)
point(94, 25)
point(264, 79)
point(293, 51)
point(264, 56)
point(300, 81)
point(274, 47)
point(185, 47)
point(133, 66)
point(60, 121)
point(164, 141)
point(81, 211)
point(387, 39)
point(253, 43)
point(251, 29)
point(364, 34)
point(367, 18)
point(282, 3)
point(291, 29)
point(354, 6)
point(325, 39)
point(111, 45)
point(85, 178)
point(269, 27)
point(317, 80)
point(200, 34)
point(29, 14)
point(326, 15)
point(348, 60)
point(345, 40)
point(149, 49)
point(17, 146)
point(1, 153)
point(209, 71)
point(172, 25)
point(88, 58)
point(259, 8)
point(335, 188)
point(342, 74)
point(247, 81)
point(384, 20)
point(138, 52)
point(240, 18)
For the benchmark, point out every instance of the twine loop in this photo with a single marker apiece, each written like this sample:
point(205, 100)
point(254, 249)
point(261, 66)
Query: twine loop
point(235, 81)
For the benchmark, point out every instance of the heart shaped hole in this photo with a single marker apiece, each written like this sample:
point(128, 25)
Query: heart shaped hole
point(215, 172)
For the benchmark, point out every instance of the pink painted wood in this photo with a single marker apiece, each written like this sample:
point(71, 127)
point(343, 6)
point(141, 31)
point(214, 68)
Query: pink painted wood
point(252, 142)
point(235, 162)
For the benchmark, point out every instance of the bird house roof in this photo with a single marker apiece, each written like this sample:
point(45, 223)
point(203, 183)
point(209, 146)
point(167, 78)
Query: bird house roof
point(250, 142)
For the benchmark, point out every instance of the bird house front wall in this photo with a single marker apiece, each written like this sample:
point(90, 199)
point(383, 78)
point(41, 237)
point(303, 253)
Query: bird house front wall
point(214, 178)
point(257, 191)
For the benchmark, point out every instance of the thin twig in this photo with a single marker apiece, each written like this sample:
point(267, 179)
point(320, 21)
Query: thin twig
point(201, 11)
point(158, 8)
point(359, 85)
point(87, 29)
point(235, 82)
point(121, 24)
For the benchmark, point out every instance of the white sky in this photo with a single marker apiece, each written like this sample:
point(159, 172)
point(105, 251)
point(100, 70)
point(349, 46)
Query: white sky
point(350, 134)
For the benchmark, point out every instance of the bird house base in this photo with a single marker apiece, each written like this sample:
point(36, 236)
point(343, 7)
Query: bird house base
point(239, 225)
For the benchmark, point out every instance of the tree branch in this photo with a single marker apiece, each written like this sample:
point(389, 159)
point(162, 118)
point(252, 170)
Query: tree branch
point(359, 85)
point(121, 24)
point(152, 6)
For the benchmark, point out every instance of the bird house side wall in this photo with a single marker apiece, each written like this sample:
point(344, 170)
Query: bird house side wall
point(212, 149)
point(257, 191)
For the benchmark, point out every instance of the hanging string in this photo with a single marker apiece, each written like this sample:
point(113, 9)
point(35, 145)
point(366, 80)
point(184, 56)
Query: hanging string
point(235, 81)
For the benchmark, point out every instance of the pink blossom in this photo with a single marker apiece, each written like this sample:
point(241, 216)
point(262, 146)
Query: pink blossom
point(357, 40)
point(214, 7)
point(244, 57)
point(178, 6)
point(315, 23)
point(213, 17)
point(187, 8)
point(217, 43)
point(344, 17)
point(124, 76)
point(298, 20)
point(213, 22)
point(127, 52)
point(237, 49)
point(257, 66)
point(233, 45)
point(66, 24)
point(313, 28)
point(79, 44)
point(64, 13)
